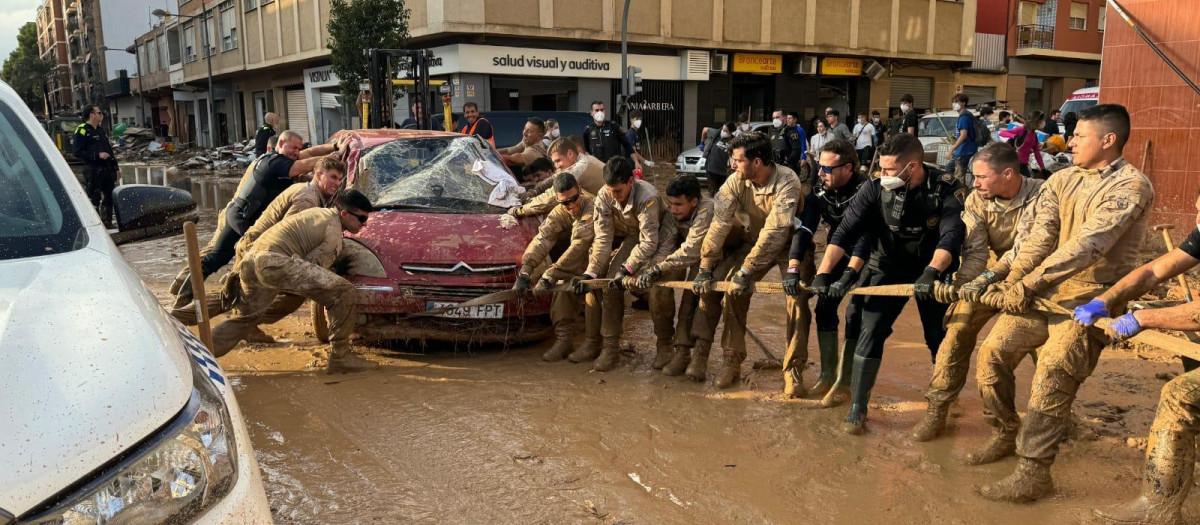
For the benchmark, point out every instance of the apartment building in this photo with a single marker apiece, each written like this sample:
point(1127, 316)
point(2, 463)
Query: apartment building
point(1053, 49)
point(52, 46)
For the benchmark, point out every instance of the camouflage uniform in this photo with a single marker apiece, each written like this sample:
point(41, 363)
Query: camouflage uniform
point(1086, 234)
point(764, 214)
point(530, 152)
point(293, 258)
point(588, 172)
point(635, 236)
point(565, 306)
point(682, 264)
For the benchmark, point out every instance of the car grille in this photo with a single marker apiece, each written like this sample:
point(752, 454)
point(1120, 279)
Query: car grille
point(460, 268)
point(691, 160)
point(449, 292)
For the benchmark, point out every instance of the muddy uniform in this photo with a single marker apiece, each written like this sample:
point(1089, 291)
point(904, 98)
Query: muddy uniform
point(764, 215)
point(606, 141)
point(529, 153)
point(589, 174)
point(268, 180)
point(565, 306)
point(679, 265)
point(628, 239)
point(293, 257)
point(992, 226)
point(99, 175)
point(1086, 235)
point(785, 146)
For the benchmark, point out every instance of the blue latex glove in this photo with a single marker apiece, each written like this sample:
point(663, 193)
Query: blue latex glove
point(1087, 314)
point(1123, 327)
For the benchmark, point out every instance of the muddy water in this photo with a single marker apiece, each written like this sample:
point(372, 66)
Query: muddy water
point(496, 435)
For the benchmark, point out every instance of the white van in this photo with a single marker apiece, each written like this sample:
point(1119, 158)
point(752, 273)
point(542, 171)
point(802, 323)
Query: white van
point(1080, 100)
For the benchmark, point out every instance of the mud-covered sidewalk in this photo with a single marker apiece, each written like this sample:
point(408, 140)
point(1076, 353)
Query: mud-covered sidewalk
point(495, 435)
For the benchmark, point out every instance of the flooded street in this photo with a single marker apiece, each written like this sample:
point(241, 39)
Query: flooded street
point(495, 435)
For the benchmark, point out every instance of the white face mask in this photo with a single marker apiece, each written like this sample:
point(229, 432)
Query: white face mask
point(777, 123)
point(745, 127)
point(724, 134)
point(893, 182)
point(861, 121)
point(637, 123)
point(956, 106)
point(598, 116)
point(875, 120)
point(905, 107)
point(554, 133)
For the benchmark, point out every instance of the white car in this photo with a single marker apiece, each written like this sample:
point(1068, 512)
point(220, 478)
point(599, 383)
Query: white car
point(692, 160)
point(110, 412)
point(937, 133)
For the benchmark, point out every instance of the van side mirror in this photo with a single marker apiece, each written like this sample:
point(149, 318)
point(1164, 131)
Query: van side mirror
point(146, 211)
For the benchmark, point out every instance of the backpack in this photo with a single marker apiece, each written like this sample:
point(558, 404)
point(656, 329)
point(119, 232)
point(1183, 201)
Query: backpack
point(982, 136)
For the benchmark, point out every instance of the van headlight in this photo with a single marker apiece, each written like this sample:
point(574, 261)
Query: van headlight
point(174, 477)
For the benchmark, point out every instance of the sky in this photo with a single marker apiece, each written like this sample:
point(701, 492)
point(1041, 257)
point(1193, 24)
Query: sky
point(13, 15)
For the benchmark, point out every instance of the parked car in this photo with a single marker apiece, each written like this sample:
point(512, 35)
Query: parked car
point(692, 160)
point(507, 125)
point(937, 133)
point(112, 411)
point(438, 240)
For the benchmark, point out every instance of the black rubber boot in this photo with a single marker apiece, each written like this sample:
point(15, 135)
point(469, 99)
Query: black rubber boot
point(840, 391)
point(865, 371)
point(827, 345)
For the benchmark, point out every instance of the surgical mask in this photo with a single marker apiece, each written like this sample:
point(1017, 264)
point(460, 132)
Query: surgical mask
point(861, 121)
point(598, 116)
point(893, 182)
point(637, 123)
point(777, 123)
point(724, 134)
point(905, 107)
point(875, 120)
point(745, 127)
point(956, 106)
point(554, 133)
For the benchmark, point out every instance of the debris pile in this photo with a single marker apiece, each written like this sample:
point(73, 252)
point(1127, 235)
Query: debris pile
point(140, 144)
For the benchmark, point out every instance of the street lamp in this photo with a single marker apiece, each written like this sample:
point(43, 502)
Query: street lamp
point(137, 64)
point(212, 128)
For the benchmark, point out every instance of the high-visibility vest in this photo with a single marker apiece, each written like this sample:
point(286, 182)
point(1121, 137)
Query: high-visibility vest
point(471, 131)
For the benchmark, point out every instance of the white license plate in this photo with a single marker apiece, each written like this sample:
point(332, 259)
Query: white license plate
point(483, 311)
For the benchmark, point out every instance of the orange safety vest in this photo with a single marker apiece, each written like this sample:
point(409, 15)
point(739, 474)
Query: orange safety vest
point(491, 139)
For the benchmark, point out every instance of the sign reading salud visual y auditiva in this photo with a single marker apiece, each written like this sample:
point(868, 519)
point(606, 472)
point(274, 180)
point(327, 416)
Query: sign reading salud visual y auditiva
point(505, 60)
point(846, 67)
point(757, 63)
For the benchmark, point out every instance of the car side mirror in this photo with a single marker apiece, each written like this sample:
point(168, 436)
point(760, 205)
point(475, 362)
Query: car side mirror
point(145, 211)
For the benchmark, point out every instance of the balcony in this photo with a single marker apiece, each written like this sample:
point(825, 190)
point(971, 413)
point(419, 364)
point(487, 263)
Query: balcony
point(1035, 37)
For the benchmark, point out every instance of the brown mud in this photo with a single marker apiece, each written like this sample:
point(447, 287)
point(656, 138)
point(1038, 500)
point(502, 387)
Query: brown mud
point(443, 435)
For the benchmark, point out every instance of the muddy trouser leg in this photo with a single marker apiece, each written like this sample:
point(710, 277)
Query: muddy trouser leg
point(799, 318)
point(256, 297)
point(963, 323)
point(182, 309)
point(933, 319)
point(222, 252)
point(733, 335)
point(613, 304)
point(1011, 339)
point(283, 305)
point(689, 303)
point(662, 308)
point(1064, 362)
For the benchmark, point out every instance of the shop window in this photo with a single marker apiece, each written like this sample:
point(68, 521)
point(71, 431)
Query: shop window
point(1079, 15)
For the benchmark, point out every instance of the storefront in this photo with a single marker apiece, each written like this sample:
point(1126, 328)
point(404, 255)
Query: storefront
point(324, 106)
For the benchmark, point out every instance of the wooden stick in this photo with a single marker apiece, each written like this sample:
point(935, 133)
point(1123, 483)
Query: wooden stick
point(197, 279)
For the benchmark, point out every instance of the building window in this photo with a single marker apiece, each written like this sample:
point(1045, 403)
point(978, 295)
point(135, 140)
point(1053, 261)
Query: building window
point(142, 59)
point(251, 5)
point(189, 42)
point(229, 36)
point(173, 51)
point(152, 56)
point(1102, 16)
point(1079, 15)
point(207, 26)
point(162, 51)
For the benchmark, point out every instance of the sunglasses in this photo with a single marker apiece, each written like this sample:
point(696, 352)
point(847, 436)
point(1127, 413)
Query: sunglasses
point(569, 201)
point(829, 169)
point(362, 219)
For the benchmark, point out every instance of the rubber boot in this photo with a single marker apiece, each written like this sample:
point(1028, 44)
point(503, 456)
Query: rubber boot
point(588, 352)
point(564, 339)
point(609, 352)
point(865, 371)
point(342, 360)
point(698, 368)
point(257, 335)
point(1170, 461)
point(1030, 482)
point(731, 371)
point(663, 353)
point(932, 425)
point(827, 345)
point(840, 392)
point(679, 361)
point(1002, 444)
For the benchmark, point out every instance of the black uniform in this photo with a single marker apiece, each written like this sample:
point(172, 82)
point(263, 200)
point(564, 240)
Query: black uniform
point(99, 175)
point(260, 139)
point(830, 206)
point(716, 164)
point(908, 120)
point(908, 225)
point(606, 141)
point(785, 146)
point(270, 178)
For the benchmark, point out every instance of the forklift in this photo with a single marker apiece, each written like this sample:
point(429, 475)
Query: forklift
point(412, 68)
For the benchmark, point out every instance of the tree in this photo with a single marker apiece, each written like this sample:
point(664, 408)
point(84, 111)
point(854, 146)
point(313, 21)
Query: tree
point(25, 70)
point(355, 27)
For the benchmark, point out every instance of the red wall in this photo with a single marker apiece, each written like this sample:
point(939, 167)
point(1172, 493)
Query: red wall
point(1163, 109)
point(992, 16)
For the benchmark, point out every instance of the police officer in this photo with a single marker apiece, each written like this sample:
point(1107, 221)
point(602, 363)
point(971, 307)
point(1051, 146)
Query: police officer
point(785, 141)
point(91, 146)
point(839, 181)
point(914, 210)
point(264, 134)
point(604, 139)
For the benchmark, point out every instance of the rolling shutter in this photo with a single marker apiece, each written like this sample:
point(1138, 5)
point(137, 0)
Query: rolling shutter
point(921, 88)
point(980, 94)
point(297, 113)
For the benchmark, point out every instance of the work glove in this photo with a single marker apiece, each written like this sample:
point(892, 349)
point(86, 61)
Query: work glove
point(1087, 314)
point(742, 284)
point(543, 285)
point(923, 288)
point(522, 284)
point(618, 281)
point(973, 290)
point(839, 289)
point(579, 286)
point(1123, 327)
point(703, 283)
point(1014, 297)
point(791, 282)
point(648, 277)
point(820, 284)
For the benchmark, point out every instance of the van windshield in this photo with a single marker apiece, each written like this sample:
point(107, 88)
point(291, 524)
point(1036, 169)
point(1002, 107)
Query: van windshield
point(36, 216)
point(1077, 106)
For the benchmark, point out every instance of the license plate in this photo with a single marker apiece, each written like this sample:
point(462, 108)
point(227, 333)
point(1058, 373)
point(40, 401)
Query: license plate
point(483, 311)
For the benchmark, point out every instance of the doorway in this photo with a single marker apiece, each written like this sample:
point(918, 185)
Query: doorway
point(752, 94)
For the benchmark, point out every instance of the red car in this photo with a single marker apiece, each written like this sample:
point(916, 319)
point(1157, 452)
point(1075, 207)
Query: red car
point(438, 239)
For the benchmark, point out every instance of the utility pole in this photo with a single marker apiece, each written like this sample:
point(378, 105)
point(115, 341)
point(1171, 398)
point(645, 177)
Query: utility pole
point(207, 24)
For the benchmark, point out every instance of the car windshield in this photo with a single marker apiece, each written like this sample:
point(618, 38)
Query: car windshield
point(36, 217)
point(937, 126)
point(433, 174)
point(1077, 106)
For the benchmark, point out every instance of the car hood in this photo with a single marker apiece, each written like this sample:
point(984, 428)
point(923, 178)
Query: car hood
point(404, 237)
point(694, 152)
point(89, 366)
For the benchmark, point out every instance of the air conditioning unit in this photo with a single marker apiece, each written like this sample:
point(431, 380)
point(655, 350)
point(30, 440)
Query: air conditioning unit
point(719, 63)
point(875, 70)
point(806, 66)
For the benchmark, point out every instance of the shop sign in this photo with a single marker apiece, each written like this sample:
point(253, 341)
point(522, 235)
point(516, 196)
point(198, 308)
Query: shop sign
point(319, 77)
point(504, 60)
point(757, 63)
point(836, 66)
